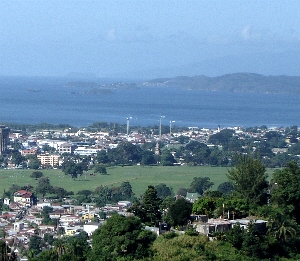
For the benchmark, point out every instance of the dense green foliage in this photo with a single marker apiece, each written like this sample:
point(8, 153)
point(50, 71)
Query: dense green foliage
point(72, 168)
point(200, 184)
point(180, 212)
point(249, 180)
point(148, 209)
point(285, 190)
point(121, 238)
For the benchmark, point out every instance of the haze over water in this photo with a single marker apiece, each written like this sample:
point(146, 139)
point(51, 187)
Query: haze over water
point(54, 103)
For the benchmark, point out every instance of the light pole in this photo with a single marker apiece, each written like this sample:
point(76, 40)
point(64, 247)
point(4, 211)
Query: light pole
point(160, 126)
point(128, 118)
point(171, 127)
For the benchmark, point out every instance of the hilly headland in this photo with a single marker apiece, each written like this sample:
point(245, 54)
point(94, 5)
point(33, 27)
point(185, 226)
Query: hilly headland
point(236, 82)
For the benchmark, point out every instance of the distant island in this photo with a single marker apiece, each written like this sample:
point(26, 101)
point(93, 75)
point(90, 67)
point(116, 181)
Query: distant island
point(236, 82)
point(82, 87)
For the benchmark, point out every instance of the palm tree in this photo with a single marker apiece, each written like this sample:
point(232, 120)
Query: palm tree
point(281, 227)
point(30, 254)
point(3, 251)
point(60, 247)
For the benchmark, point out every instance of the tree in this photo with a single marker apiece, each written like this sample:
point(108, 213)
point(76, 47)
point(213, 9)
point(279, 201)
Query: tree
point(281, 227)
point(182, 139)
point(100, 168)
point(84, 196)
point(125, 191)
point(33, 163)
point(59, 247)
point(163, 190)
point(104, 195)
point(44, 186)
point(182, 192)
point(226, 188)
point(197, 152)
point(36, 174)
point(85, 192)
point(47, 148)
point(60, 192)
point(249, 180)
point(45, 255)
point(17, 158)
point(253, 243)
point(200, 184)
point(46, 215)
point(151, 204)
point(235, 236)
point(180, 212)
point(121, 238)
point(4, 250)
point(77, 248)
point(204, 206)
point(125, 153)
point(170, 246)
point(167, 159)
point(69, 167)
point(221, 138)
point(148, 158)
point(35, 244)
point(48, 238)
point(148, 210)
point(102, 157)
point(285, 189)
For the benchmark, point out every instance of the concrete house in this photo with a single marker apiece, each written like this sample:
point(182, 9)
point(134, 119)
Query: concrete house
point(24, 197)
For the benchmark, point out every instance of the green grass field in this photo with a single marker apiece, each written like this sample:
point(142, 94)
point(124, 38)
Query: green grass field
point(138, 176)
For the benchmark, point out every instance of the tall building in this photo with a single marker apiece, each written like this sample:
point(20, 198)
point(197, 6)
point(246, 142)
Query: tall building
point(4, 135)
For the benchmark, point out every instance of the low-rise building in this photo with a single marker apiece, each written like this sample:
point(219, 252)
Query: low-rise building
point(24, 197)
point(66, 148)
point(90, 227)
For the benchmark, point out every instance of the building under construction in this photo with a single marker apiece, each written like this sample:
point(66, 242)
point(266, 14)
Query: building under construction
point(4, 137)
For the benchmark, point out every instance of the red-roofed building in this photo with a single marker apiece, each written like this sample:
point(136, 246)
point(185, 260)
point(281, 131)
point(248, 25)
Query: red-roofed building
point(32, 151)
point(24, 197)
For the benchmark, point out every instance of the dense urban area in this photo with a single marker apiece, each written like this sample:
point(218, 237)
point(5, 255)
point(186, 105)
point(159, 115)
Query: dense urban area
point(249, 217)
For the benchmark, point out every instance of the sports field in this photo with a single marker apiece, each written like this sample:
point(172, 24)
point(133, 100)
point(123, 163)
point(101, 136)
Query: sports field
point(138, 176)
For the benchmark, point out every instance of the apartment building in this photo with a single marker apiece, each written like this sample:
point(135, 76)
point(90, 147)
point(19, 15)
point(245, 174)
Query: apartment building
point(48, 160)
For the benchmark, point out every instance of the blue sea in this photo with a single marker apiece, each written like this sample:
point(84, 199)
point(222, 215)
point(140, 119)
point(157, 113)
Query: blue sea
point(33, 100)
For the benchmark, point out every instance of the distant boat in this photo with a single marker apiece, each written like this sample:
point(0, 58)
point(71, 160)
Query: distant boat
point(33, 90)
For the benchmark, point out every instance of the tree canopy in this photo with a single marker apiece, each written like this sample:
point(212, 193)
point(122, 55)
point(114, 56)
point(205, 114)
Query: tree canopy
point(249, 180)
point(121, 237)
point(148, 209)
point(200, 184)
point(36, 174)
point(285, 189)
point(180, 212)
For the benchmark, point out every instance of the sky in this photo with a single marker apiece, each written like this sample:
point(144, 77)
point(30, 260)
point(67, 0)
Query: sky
point(149, 38)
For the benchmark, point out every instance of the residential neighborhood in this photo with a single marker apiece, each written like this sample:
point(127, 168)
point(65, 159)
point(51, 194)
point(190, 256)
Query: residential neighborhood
point(276, 145)
point(30, 222)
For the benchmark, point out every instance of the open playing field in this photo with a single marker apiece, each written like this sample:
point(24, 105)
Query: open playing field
point(138, 176)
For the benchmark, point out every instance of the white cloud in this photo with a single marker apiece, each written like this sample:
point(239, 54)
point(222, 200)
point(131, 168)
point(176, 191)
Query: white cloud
point(249, 34)
point(111, 35)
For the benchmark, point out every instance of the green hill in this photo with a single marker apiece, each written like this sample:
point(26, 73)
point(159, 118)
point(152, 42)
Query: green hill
point(236, 82)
